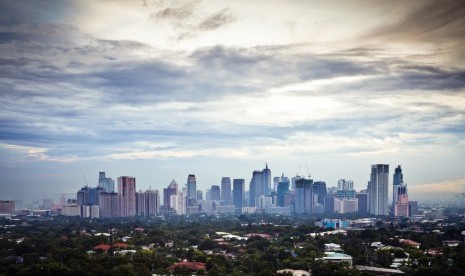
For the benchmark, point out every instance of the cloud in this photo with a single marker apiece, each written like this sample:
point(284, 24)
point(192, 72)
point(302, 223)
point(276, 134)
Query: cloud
point(216, 20)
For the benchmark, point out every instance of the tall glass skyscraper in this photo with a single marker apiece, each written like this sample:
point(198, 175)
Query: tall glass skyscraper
point(191, 190)
point(378, 190)
point(397, 181)
point(238, 194)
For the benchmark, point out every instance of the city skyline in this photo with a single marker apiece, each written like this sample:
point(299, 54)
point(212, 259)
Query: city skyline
point(161, 89)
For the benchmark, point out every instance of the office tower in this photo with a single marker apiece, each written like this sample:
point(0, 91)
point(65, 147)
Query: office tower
point(208, 195)
point(345, 189)
point(329, 203)
point(106, 183)
point(191, 190)
point(401, 203)
point(303, 196)
point(199, 195)
point(141, 209)
point(378, 190)
point(362, 202)
point(226, 197)
point(266, 180)
point(343, 184)
point(397, 181)
point(147, 203)
point(283, 189)
point(109, 205)
point(256, 187)
point(263, 202)
point(215, 193)
point(276, 181)
point(88, 196)
point(179, 203)
point(87, 199)
point(168, 192)
point(127, 194)
point(238, 194)
point(345, 205)
point(152, 198)
point(319, 193)
point(7, 206)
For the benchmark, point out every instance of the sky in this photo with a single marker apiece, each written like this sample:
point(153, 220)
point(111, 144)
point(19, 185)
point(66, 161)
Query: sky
point(162, 89)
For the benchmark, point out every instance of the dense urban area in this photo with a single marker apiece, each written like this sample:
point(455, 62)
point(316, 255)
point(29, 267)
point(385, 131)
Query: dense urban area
point(286, 226)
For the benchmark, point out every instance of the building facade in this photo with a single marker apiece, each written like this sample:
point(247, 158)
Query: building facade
point(378, 188)
point(127, 194)
point(238, 194)
point(226, 196)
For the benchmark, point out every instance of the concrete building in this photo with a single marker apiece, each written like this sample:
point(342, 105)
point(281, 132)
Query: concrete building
point(179, 203)
point(303, 197)
point(238, 194)
point(345, 205)
point(7, 206)
point(378, 190)
point(191, 190)
point(109, 205)
point(172, 189)
point(106, 183)
point(127, 194)
point(215, 193)
point(226, 195)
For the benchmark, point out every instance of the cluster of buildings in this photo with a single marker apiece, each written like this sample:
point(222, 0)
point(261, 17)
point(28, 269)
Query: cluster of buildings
point(278, 195)
point(104, 202)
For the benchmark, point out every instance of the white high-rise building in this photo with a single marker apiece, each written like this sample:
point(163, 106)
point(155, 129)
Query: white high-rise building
point(378, 188)
point(178, 203)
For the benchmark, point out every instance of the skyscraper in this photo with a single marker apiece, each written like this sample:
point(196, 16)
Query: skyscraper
point(109, 205)
point(378, 190)
point(168, 192)
point(266, 180)
point(215, 193)
point(147, 203)
point(238, 194)
point(191, 190)
point(127, 194)
point(106, 183)
point(226, 191)
point(303, 199)
point(397, 181)
point(283, 189)
point(256, 187)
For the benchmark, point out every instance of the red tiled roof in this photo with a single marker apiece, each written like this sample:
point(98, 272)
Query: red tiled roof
point(121, 245)
point(190, 265)
point(103, 247)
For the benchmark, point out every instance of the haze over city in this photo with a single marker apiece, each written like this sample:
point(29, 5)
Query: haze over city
point(162, 89)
